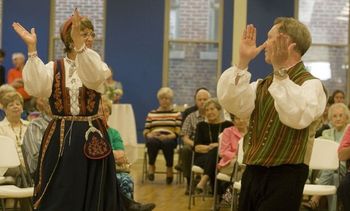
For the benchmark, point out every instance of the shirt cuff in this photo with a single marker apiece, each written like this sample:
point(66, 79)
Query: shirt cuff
point(240, 72)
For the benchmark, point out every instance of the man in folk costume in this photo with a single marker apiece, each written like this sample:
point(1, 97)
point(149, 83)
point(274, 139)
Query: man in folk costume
point(284, 109)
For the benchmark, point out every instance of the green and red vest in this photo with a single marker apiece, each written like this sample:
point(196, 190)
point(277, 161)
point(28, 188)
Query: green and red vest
point(268, 141)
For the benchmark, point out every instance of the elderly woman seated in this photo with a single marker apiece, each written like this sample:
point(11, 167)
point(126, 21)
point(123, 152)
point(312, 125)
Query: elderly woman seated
point(13, 126)
point(339, 116)
point(230, 139)
point(206, 142)
point(161, 131)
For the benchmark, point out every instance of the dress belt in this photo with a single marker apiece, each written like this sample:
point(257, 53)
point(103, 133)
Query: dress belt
point(78, 118)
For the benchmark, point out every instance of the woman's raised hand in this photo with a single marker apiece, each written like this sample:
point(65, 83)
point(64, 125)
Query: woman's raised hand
point(28, 37)
point(75, 33)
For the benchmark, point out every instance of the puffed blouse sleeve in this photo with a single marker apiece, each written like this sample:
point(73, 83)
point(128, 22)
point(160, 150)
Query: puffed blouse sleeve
point(91, 70)
point(38, 77)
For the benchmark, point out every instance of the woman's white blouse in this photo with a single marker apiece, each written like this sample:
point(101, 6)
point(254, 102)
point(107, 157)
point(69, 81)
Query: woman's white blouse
point(87, 69)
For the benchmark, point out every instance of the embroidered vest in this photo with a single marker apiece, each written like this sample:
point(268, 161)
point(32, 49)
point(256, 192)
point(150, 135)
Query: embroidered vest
point(60, 100)
point(269, 142)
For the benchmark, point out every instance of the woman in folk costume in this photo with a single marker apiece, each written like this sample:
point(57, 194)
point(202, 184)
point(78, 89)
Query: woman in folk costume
point(76, 168)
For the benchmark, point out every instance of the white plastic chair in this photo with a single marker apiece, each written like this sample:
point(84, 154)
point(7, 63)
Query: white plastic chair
point(9, 159)
point(237, 183)
point(194, 170)
point(324, 156)
point(219, 177)
point(234, 179)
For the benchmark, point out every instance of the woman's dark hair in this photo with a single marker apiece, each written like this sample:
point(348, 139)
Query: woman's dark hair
point(337, 92)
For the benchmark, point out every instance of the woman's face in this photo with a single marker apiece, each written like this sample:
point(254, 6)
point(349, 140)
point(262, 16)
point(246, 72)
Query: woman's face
point(89, 37)
point(339, 98)
point(212, 113)
point(14, 109)
point(165, 101)
point(338, 119)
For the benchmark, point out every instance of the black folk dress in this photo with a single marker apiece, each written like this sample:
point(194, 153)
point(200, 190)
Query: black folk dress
point(66, 180)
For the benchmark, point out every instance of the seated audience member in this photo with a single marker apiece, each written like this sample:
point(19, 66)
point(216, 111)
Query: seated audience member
point(206, 142)
point(229, 144)
point(339, 116)
point(13, 126)
point(162, 128)
point(343, 191)
point(35, 132)
point(125, 181)
point(113, 89)
point(325, 124)
point(14, 78)
point(3, 90)
point(193, 108)
point(126, 184)
point(338, 96)
point(2, 68)
point(188, 132)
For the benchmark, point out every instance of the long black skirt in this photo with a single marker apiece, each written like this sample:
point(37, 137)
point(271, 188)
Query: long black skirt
point(73, 182)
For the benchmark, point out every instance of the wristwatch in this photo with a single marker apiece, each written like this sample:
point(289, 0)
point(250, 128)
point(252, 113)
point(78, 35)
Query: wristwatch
point(281, 73)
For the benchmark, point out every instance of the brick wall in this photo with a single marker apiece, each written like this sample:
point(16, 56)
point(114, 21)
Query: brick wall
point(94, 9)
point(191, 69)
point(192, 72)
point(329, 28)
point(193, 19)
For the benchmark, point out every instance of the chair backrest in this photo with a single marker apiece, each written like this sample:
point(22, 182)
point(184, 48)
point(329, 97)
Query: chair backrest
point(8, 153)
point(324, 155)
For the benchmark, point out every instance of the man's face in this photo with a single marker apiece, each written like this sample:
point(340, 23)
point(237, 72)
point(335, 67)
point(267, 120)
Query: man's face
point(270, 42)
point(201, 97)
point(18, 62)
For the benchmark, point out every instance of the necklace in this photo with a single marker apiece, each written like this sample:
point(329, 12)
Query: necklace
point(72, 66)
point(210, 133)
point(18, 136)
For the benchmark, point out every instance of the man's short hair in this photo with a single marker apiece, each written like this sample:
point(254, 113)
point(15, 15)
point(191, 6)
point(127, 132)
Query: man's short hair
point(18, 55)
point(297, 31)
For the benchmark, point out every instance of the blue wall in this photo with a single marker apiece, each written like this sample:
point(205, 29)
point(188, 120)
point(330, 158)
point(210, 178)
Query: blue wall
point(30, 14)
point(227, 34)
point(262, 14)
point(134, 50)
point(134, 41)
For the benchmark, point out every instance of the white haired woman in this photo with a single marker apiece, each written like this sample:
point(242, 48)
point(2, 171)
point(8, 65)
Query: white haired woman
point(339, 116)
point(162, 128)
point(206, 142)
point(12, 125)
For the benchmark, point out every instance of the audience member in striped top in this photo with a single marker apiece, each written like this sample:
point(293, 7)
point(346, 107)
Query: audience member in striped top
point(161, 131)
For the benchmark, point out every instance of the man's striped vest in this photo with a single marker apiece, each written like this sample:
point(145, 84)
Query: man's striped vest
point(269, 142)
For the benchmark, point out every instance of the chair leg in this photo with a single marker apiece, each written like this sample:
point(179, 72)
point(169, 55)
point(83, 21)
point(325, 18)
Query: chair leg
point(144, 168)
point(191, 190)
point(3, 204)
point(215, 194)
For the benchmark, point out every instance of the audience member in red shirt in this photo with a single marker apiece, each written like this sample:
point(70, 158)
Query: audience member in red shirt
point(14, 78)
